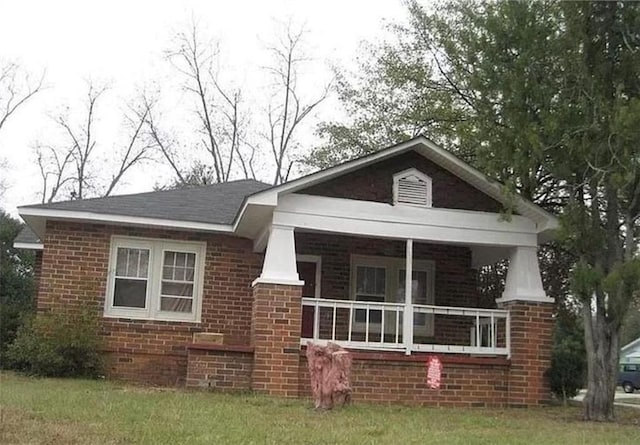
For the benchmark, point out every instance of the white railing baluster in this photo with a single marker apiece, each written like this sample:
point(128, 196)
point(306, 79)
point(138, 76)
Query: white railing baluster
point(484, 319)
point(492, 333)
point(382, 327)
point(350, 322)
point(316, 320)
point(335, 310)
point(478, 339)
point(366, 331)
point(397, 324)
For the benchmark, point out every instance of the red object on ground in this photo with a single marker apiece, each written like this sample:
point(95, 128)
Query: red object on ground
point(330, 371)
point(434, 372)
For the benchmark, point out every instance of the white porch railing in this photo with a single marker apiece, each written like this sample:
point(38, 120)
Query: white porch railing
point(379, 326)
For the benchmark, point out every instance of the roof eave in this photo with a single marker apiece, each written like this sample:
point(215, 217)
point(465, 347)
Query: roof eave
point(546, 222)
point(36, 218)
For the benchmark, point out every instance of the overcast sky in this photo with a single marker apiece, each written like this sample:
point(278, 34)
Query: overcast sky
point(122, 43)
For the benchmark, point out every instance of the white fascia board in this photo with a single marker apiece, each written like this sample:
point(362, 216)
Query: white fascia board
point(376, 211)
point(402, 222)
point(67, 215)
point(28, 246)
point(631, 345)
point(546, 222)
point(442, 157)
point(270, 196)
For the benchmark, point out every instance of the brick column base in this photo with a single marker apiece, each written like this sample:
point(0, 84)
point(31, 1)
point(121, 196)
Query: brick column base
point(531, 342)
point(275, 335)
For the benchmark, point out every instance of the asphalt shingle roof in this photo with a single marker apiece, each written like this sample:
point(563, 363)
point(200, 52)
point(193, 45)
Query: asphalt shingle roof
point(214, 204)
point(27, 236)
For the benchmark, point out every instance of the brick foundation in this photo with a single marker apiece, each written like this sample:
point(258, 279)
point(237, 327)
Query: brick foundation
point(531, 342)
point(396, 378)
point(219, 368)
point(275, 331)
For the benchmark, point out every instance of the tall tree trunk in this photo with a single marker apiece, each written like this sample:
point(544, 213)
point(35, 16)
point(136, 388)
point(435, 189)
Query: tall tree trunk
point(601, 342)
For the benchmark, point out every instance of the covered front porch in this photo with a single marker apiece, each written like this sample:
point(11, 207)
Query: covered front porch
point(354, 295)
point(382, 279)
point(379, 277)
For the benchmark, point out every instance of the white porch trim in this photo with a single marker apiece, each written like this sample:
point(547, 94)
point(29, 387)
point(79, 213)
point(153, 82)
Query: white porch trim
point(279, 265)
point(524, 282)
point(407, 331)
point(336, 215)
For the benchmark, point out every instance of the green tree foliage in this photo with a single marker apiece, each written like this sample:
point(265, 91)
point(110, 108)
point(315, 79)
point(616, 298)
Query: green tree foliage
point(16, 283)
point(543, 96)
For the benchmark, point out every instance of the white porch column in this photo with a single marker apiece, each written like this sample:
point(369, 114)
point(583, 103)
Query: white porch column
point(524, 282)
point(279, 265)
point(407, 326)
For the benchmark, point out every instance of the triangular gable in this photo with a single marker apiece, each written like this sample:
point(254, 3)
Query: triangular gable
point(545, 222)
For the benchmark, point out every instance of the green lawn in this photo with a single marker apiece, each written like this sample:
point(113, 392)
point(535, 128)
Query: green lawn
point(54, 411)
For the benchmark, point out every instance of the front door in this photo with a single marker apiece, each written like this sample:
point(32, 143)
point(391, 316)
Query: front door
point(307, 273)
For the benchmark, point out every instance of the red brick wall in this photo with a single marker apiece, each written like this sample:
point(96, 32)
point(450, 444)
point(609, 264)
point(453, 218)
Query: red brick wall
point(387, 378)
point(37, 269)
point(531, 342)
point(277, 315)
point(375, 183)
point(219, 370)
point(74, 276)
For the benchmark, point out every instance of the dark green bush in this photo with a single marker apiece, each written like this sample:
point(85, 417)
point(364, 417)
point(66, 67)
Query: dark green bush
point(58, 345)
point(568, 360)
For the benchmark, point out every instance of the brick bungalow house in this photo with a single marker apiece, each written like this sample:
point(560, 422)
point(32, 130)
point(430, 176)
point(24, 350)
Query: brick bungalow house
point(378, 254)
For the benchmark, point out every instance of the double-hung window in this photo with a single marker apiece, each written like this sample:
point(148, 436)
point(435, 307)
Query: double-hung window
point(155, 279)
point(382, 280)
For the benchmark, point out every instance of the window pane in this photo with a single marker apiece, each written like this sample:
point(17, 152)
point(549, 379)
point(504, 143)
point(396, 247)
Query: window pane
point(130, 293)
point(175, 304)
point(191, 261)
point(144, 264)
point(176, 266)
point(418, 286)
point(178, 273)
point(370, 280)
point(132, 262)
point(179, 289)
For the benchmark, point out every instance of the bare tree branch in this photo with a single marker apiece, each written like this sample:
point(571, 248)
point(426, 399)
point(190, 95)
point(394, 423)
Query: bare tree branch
point(14, 91)
point(71, 165)
point(285, 116)
point(219, 109)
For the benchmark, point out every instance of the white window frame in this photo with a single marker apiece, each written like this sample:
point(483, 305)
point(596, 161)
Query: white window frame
point(422, 177)
point(392, 266)
point(157, 248)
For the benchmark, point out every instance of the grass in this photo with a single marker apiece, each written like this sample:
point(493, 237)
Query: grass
point(629, 400)
point(57, 411)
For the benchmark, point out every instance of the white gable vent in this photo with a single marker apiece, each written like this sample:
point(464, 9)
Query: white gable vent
point(412, 187)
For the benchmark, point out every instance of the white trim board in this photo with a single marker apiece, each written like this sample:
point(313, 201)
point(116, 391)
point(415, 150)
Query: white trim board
point(28, 246)
point(372, 219)
point(544, 220)
point(65, 215)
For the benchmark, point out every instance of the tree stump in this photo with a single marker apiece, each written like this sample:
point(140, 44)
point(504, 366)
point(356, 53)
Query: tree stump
point(330, 373)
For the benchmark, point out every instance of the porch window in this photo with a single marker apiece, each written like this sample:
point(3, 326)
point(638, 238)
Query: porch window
point(382, 280)
point(155, 279)
point(370, 286)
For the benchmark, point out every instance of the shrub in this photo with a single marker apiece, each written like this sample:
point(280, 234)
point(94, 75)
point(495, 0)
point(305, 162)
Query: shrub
point(58, 345)
point(568, 360)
